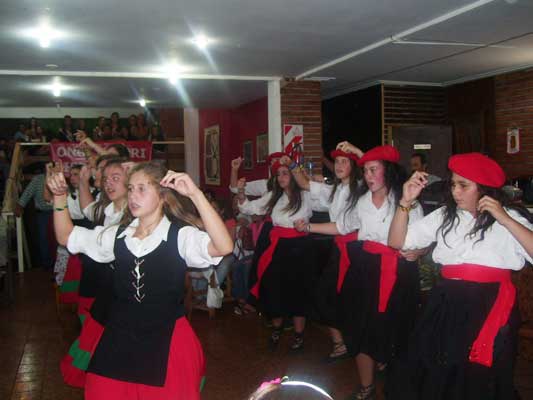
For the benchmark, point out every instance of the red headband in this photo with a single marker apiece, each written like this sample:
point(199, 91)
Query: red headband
point(384, 153)
point(275, 166)
point(277, 154)
point(339, 153)
point(478, 168)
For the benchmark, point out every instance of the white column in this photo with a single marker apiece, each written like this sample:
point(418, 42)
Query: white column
point(191, 129)
point(274, 117)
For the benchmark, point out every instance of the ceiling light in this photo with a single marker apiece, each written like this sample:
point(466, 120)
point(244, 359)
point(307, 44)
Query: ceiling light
point(44, 33)
point(142, 102)
point(56, 87)
point(201, 41)
point(173, 71)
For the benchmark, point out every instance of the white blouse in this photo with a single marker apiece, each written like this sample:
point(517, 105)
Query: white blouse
point(98, 243)
point(498, 249)
point(280, 217)
point(111, 216)
point(74, 208)
point(375, 222)
point(253, 188)
point(321, 194)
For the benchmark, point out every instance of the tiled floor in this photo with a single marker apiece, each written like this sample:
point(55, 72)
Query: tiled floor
point(33, 339)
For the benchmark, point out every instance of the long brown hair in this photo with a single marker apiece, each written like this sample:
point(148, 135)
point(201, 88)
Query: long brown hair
point(295, 196)
point(176, 207)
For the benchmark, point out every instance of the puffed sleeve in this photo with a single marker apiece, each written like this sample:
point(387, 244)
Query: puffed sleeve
point(421, 232)
point(96, 243)
point(348, 221)
point(320, 195)
point(255, 207)
point(193, 248)
point(518, 247)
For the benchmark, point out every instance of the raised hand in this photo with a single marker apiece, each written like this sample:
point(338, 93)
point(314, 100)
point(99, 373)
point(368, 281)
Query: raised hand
point(413, 187)
point(57, 184)
point(241, 183)
point(236, 163)
point(493, 207)
point(85, 174)
point(285, 160)
point(347, 147)
point(181, 183)
point(300, 225)
point(80, 136)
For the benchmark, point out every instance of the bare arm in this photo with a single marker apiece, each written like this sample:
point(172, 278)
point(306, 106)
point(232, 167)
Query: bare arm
point(86, 197)
point(234, 177)
point(62, 223)
point(327, 228)
point(221, 242)
point(411, 190)
point(299, 177)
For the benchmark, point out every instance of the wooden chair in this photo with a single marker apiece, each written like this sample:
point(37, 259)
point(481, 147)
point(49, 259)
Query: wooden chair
point(191, 294)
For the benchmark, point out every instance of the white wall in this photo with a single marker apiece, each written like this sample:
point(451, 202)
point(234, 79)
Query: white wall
point(191, 126)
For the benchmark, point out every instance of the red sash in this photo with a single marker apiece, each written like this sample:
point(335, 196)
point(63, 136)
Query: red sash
point(389, 267)
point(483, 346)
point(276, 234)
point(344, 261)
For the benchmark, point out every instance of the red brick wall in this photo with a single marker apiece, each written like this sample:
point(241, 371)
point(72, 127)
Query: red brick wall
point(301, 104)
point(514, 108)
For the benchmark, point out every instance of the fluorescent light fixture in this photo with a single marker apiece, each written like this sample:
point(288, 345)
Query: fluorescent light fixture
point(442, 43)
point(142, 102)
point(201, 41)
point(56, 87)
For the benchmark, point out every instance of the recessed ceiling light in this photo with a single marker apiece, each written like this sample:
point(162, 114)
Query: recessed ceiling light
point(142, 102)
point(201, 41)
point(53, 66)
point(173, 71)
point(56, 87)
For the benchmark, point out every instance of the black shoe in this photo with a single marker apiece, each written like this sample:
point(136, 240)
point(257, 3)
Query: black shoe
point(340, 352)
point(298, 343)
point(274, 339)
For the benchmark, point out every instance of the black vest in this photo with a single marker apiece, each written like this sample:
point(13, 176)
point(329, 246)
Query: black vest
point(148, 299)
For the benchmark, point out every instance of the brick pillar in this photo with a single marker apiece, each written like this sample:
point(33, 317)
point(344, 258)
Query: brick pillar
point(301, 103)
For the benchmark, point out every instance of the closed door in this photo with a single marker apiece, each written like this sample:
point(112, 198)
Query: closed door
point(435, 141)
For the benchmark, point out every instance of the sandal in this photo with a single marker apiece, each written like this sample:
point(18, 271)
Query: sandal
point(364, 393)
point(274, 339)
point(340, 352)
point(298, 343)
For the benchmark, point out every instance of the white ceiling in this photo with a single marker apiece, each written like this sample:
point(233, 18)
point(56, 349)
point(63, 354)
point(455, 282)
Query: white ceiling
point(253, 38)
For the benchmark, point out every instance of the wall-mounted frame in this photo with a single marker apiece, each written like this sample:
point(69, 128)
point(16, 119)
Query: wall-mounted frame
point(261, 145)
point(247, 153)
point(212, 155)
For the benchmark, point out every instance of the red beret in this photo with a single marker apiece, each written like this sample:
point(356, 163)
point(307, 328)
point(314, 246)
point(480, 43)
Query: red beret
point(277, 154)
point(384, 153)
point(275, 166)
point(478, 168)
point(339, 153)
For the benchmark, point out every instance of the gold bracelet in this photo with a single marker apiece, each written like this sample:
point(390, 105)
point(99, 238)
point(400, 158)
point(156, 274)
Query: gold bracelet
point(407, 209)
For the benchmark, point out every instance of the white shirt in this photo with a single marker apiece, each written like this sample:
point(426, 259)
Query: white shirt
point(98, 243)
point(321, 194)
point(74, 208)
point(111, 216)
point(375, 222)
point(498, 249)
point(280, 217)
point(255, 188)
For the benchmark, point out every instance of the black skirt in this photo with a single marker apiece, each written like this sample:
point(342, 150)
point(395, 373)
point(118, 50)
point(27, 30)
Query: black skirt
point(326, 299)
point(288, 283)
point(263, 241)
point(382, 336)
point(437, 366)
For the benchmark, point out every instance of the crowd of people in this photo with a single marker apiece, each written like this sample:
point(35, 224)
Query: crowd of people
point(129, 233)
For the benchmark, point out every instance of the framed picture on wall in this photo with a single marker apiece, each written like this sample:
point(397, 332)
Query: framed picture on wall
point(247, 149)
point(212, 155)
point(262, 147)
